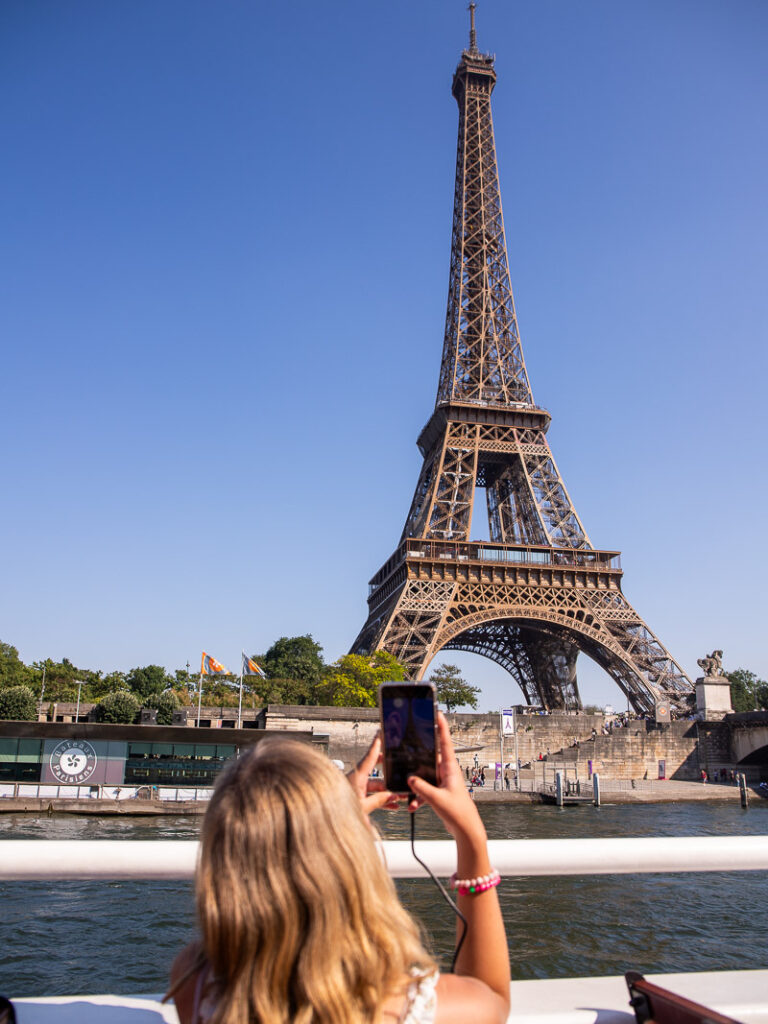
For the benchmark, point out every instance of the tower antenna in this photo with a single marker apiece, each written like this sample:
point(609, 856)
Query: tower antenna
point(472, 33)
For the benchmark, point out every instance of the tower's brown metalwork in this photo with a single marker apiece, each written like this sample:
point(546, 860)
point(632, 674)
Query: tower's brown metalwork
point(537, 593)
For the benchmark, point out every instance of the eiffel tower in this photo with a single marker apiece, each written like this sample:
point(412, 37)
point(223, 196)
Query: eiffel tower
point(538, 593)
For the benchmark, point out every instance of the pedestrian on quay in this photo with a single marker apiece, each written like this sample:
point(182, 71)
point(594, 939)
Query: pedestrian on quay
point(506, 780)
point(704, 776)
point(299, 919)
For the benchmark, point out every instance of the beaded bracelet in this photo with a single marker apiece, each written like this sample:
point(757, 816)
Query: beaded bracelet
point(465, 886)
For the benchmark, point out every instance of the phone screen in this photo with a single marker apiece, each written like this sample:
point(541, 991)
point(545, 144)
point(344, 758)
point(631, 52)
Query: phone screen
point(408, 724)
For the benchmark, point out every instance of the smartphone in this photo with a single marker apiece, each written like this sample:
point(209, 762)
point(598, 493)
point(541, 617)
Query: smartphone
point(409, 733)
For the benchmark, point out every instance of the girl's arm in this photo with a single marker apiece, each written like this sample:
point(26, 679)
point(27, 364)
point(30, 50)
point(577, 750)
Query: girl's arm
point(184, 973)
point(484, 955)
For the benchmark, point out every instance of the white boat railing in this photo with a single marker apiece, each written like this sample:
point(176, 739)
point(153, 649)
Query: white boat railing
point(27, 860)
point(742, 995)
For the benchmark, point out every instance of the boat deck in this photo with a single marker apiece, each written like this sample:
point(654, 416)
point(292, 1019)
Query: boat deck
point(742, 995)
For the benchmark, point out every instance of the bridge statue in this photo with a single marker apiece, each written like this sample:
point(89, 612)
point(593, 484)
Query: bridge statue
point(713, 689)
point(712, 665)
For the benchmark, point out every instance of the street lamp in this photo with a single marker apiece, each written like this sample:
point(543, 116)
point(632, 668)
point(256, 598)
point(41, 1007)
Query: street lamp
point(42, 695)
point(77, 711)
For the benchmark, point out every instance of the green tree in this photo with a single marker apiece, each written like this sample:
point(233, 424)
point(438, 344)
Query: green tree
point(18, 703)
point(221, 690)
point(185, 685)
point(148, 681)
point(452, 688)
point(290, 691)
point(182, 681)
point(258, 692)
point(747, 691)
point(61, 679)
point(294, 657)
point(353, 680)
point(13, 671)
point(165, 704)
point(110, 683)
point(120, 707)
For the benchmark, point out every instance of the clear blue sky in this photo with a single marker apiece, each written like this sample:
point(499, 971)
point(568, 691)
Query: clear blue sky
point(223, 276)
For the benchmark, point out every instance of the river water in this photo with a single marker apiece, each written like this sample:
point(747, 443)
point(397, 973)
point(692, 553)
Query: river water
point(83, 937)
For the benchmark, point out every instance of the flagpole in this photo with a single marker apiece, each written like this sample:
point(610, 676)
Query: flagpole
point(240, 704)
point(200, 690)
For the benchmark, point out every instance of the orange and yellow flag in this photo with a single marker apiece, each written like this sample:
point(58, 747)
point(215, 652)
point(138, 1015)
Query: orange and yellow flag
point(211, 667)
point(252, 668)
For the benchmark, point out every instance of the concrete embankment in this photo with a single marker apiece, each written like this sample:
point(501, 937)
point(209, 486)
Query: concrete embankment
point(103, 808)
point(658, 792)
point(661, 792)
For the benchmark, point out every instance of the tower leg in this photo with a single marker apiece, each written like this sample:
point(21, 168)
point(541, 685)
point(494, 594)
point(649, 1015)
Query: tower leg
point(554, 667)
point(408, 625)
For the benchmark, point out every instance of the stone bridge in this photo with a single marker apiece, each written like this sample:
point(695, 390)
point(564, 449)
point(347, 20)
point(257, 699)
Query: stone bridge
point(748, 737)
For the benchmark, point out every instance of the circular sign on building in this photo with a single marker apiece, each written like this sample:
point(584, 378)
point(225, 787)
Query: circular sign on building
point(73, 761)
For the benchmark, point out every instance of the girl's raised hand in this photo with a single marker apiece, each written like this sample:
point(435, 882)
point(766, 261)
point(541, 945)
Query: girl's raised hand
point(371, 793)
point(449, 799)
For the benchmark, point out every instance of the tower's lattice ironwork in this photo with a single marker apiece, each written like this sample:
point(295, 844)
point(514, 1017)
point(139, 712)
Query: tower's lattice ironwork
point(537, 593)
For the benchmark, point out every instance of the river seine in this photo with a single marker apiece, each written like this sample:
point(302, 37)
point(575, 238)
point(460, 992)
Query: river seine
point(85, 937)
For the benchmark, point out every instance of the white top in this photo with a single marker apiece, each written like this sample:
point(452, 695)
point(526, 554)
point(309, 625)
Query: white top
point(421, 1001)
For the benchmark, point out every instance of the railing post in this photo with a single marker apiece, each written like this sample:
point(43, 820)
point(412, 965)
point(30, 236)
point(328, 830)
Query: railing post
point(743, 791)
point(559, 789)
point(596, 789)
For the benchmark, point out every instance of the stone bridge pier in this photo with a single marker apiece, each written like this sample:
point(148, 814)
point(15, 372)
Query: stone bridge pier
point(749, 737)
point(740, 741)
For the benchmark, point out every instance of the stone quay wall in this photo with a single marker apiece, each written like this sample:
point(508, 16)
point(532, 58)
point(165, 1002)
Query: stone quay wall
point(350, 731)
point(630, 753)
point(635, 751)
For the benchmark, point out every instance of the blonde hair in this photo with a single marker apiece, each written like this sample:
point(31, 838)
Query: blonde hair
point(300, 921)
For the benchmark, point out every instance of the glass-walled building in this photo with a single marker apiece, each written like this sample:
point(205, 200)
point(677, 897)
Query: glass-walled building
point(90, 754)
point(20, 759)
point(175, 764)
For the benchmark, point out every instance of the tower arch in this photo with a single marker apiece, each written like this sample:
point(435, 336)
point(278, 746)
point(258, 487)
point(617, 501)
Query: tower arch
point(539, 650)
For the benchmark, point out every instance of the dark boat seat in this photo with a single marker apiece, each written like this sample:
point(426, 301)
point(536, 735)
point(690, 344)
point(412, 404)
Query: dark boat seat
point(656, 1005)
